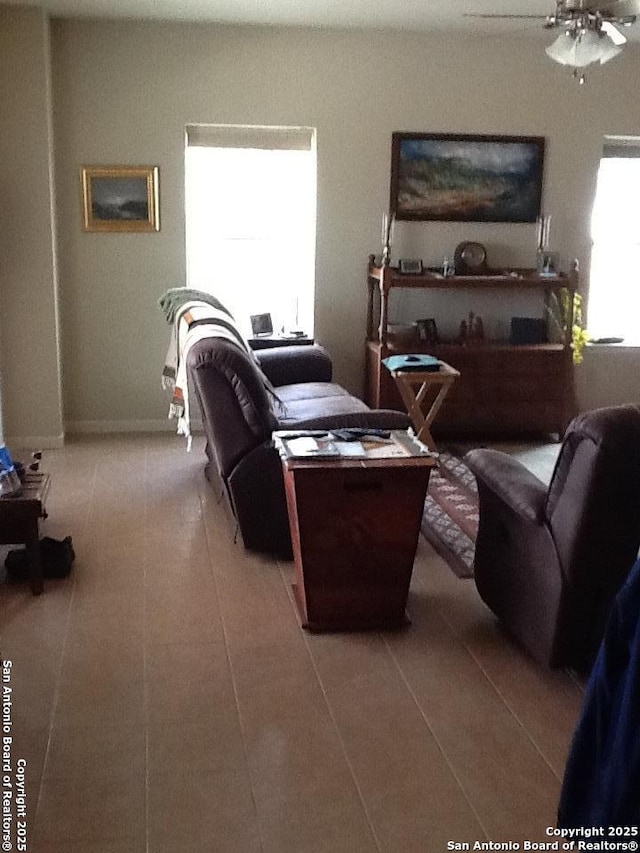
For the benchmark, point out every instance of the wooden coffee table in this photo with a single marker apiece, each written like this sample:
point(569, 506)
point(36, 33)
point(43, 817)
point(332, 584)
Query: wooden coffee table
point(20, 519)
point(355, 524)
point(424, 381)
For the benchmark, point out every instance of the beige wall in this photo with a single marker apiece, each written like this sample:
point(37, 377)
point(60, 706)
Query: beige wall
point(29, 361)
point(123, 93)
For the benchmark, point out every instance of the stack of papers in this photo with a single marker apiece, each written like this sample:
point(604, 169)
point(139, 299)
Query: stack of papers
point(312, 447)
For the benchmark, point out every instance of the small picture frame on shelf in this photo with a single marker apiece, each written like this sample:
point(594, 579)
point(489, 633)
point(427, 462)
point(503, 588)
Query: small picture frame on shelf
point(261, 324)
point(411, 266)
point(427, 330)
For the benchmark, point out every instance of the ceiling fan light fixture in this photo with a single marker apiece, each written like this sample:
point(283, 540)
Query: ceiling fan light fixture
point(587, 49)
point(560, 49)
point(589, 30)
point(608, 49)
point(582, 46)
point(613, 32)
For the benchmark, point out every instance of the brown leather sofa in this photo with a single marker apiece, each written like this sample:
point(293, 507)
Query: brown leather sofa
point(549, 561)
point(245, 397)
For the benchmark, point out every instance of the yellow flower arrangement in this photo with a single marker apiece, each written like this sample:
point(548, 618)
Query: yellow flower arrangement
point(563, 310)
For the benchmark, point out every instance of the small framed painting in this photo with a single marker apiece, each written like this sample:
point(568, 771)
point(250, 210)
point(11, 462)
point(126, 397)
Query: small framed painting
point(261, 324)
point(547, 263)
point(120, 198)
point(465, 177)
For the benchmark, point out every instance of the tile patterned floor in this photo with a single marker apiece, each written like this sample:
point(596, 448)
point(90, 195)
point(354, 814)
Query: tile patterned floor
point(167, 701)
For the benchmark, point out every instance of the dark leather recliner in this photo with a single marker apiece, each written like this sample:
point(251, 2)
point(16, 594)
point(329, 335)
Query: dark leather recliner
point(549, 561)
point(239, 413)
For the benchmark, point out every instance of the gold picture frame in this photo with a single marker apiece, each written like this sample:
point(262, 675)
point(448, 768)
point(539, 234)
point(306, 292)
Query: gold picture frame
point(120, 198)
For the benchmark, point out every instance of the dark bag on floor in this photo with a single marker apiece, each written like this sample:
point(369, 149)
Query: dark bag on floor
point(57, 555)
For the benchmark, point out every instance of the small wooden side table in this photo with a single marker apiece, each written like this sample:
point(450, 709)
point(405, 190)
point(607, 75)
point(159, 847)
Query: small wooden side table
point(408, 380)
point(355, 524)
point(19, 522)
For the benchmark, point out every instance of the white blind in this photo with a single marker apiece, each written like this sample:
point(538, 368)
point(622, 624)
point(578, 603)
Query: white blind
point(250, 136)
point(621, 146)
point(250, 200)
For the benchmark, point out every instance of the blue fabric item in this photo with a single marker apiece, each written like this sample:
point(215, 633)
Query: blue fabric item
point(417, 361)
point(601, 784)
point(6, 462)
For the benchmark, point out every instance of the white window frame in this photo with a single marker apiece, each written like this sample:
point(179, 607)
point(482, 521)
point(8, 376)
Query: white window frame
point(614, 281)
point(282, 281)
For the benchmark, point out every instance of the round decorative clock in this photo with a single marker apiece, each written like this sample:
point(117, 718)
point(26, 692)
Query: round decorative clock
point(470, 258)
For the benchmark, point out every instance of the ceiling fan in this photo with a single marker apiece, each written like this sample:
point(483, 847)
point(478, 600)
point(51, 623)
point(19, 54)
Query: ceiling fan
point(590, 30)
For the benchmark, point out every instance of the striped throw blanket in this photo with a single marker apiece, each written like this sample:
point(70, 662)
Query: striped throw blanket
point(193, 321)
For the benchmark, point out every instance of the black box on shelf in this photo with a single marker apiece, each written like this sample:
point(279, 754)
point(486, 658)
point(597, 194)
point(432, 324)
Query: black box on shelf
point(528, 330)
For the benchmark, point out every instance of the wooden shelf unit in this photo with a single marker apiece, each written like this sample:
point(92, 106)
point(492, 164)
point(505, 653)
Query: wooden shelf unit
point(503, 388)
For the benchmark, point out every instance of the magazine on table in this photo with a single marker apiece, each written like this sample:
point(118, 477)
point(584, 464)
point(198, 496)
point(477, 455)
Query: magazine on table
point(315, 444)
point(310, 446)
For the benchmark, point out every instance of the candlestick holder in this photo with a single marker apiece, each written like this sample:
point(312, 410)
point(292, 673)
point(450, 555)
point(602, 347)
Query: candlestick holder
point(388, 228)
point(545, 261)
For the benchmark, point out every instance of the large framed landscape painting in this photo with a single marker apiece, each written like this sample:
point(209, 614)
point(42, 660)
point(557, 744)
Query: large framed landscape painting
point(120, 198)
point(466, 178)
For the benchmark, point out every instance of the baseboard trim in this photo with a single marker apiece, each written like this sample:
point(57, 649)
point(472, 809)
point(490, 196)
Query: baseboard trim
point(95, 427)
point(35, 442)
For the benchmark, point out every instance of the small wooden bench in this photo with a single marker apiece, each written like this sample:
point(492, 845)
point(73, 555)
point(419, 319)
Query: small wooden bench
point(20, 522)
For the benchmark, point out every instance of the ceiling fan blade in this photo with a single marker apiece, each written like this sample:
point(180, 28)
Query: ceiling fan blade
point(504, 17)
point(614, 8)
point(613, 32)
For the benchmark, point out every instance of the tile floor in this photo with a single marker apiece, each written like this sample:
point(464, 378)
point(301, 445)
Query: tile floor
point(167, 701)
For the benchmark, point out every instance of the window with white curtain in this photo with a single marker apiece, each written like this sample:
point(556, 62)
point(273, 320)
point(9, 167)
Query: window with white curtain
point(250, 210)
point(614, 284)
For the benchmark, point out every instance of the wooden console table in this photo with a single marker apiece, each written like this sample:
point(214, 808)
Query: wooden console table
point(504, 387)
point(354, 526)
point(19, 522)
